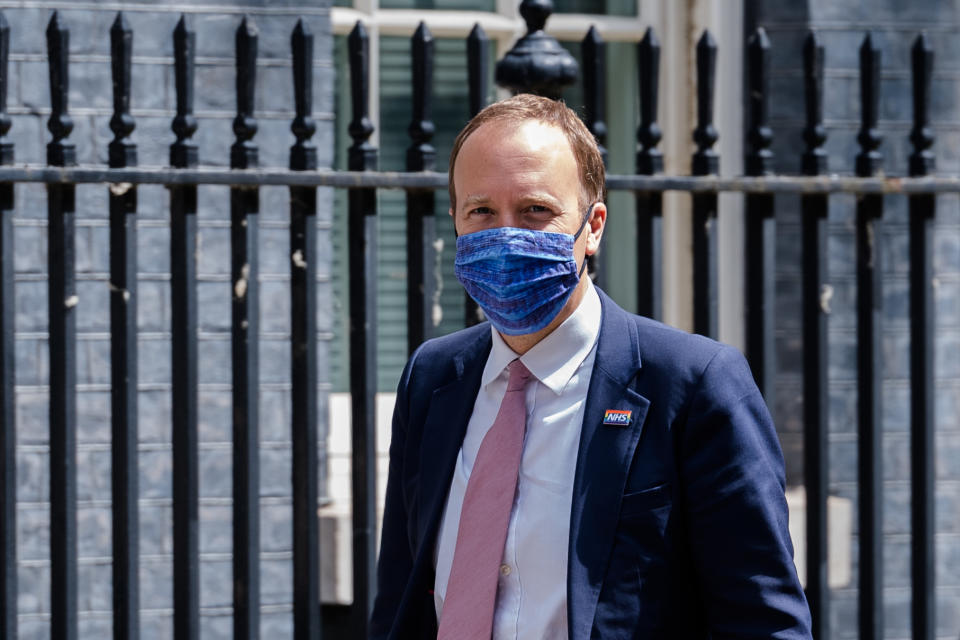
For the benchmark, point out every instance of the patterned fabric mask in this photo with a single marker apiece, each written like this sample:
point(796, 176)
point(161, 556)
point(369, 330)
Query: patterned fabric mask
point(521, 278)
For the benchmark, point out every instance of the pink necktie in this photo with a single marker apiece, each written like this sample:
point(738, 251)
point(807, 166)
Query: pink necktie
point(472, 589)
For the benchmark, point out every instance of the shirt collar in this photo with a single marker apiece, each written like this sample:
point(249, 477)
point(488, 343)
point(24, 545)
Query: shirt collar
point(557, 357)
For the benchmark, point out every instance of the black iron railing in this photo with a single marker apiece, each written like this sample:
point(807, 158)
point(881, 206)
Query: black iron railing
point(420, 181)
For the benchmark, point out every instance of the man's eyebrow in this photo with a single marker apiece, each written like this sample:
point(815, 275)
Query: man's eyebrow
point(476, 198)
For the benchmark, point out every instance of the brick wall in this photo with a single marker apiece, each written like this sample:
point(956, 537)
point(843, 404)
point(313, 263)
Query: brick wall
point(841, 27)
point(153, 103)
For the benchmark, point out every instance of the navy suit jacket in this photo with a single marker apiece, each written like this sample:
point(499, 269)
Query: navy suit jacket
point(678, 526)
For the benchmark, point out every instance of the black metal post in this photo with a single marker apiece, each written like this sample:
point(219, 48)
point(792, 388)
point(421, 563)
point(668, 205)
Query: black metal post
point(62, 303)
point(478, 79)
point(649, 162)
point(422, 293)
point(816, 308)
point(8, 428)
point(183, 325)
point(922, 459)
point(869, 355)
point(244, 213)
point(705, 162)
point(123, 347)
point(760, 225)
point(303, 358)
point(362, 265)
point(594, 51)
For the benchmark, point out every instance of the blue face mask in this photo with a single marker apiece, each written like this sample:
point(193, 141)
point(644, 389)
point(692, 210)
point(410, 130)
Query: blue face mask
point(521, 278)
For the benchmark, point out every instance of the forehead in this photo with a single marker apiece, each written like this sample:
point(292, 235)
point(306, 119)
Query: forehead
point(518, 138)
point(509, 152)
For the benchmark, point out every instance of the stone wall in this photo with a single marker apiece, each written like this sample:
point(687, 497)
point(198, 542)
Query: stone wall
point(841, 27)
point(153, 103)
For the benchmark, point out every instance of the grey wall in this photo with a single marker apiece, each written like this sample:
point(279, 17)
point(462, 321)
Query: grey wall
point(841, 27)
point(152, 105)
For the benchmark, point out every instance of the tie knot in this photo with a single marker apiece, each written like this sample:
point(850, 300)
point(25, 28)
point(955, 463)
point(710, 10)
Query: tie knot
point(519, 376)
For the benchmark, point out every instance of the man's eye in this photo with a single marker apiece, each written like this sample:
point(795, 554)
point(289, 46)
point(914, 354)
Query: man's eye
point(538, 208)
point(480, 211)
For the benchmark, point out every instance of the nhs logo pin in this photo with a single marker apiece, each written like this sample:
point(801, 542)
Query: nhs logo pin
point(617, 417)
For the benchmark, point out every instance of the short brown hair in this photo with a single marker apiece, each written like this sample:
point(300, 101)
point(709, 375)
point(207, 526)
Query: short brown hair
point(525, 107)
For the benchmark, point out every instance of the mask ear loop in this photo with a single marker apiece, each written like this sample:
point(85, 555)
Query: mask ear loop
point(586, 218)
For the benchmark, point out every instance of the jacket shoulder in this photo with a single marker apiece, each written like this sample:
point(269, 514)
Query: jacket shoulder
point(664, 349)
point(446, 357)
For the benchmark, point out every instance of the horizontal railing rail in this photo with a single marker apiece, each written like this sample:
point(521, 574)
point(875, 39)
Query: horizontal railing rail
point(409, 180)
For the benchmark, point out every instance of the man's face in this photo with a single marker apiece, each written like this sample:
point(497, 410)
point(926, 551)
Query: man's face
point(525, 175)
point(517, 175)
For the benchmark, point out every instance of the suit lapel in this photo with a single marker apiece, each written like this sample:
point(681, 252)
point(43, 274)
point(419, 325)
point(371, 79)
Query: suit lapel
point(443, 431)
point(602, 464)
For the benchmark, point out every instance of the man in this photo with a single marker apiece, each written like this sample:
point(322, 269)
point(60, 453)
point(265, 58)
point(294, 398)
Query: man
point(572, 470)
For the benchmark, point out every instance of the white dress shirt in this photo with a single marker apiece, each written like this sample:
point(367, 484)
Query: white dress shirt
point(532, 593)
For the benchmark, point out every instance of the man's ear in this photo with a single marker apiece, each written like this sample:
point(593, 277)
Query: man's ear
point(595, 226)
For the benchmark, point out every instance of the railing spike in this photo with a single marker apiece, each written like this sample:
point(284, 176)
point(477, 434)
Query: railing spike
point(759, 160)
point(478, 69)
point(421, 154)
point(303, 154)
point(60, 151)
point(705, 160)
point(594, 51)
point(244, 152)
point(183, 152)
point(362, 154)
point(122, 152)
point(649, 158)
point(814, 160)
point(6, 146)
point(869, 159)
point(922, 161)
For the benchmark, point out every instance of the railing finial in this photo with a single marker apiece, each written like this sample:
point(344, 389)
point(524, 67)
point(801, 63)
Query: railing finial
point(362, 154)
point(60, 151)
point(122, 152)
point(303, 154)
point(6, 146)
point(183, 152)
point(869, 160)
point(537, 63)
point(244, 152)
point(421, 154)
point(814, 160)
point(922, 161)
point(478, 47)
point(705, 159)
point(649, 158)
point(595, 87)
point(759, 160)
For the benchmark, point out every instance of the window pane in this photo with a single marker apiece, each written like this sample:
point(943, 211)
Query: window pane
point(603, 7)
point(450, 5)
